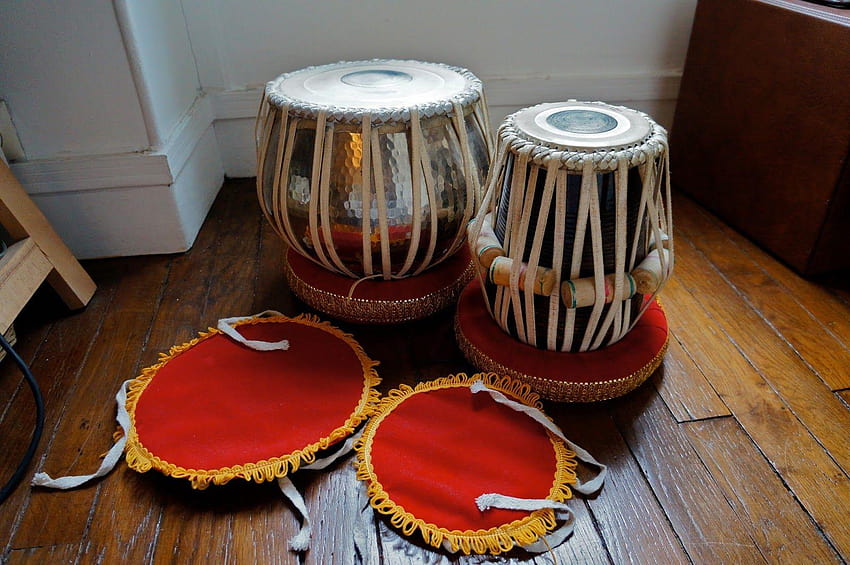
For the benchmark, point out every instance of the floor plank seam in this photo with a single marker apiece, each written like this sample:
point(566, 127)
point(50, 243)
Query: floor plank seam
point(598, 529)
point(774, 389)
point(790, 490)
point(799, 502)
point(708, 419)
point(646, 480)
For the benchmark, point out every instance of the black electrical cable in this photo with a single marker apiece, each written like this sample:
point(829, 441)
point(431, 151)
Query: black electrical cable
point(39, 421)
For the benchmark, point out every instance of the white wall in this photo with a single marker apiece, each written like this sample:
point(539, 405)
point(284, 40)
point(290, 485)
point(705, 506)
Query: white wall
point(65, 78)
point(158, 46)
point(249, 42)
point(120, 148)
point(526, 52)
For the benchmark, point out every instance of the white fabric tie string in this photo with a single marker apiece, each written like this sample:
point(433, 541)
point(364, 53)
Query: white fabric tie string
point(586, 488)
point(562, 511)
point(109, 461)
point(562, 514)
point(301, 540)
point(226, 326)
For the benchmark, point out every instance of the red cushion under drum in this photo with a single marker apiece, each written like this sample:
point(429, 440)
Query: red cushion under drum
point(431, 451)
point(213, 409)
point(376, 301)
point(575, 377)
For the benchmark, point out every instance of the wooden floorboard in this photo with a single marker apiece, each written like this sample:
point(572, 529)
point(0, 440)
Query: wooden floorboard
point(776, 361)
point(736, 451)
point(707, 526)
point(629, 517)
point(58, 368)
point(746, 480)
point(86, 428)
point(812, 340)
point(684, 388)
point(804, 465)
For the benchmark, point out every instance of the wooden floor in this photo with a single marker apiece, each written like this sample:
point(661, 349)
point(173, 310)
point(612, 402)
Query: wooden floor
point(736, 451)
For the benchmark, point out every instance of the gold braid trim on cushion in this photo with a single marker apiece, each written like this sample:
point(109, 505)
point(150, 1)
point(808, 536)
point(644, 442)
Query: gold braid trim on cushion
point(363, 311)
point(561, 390)
point(521, 532)
point(139, 458)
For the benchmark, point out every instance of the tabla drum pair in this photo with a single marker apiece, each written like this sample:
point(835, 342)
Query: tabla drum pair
point(371, 170)
point(574, 241)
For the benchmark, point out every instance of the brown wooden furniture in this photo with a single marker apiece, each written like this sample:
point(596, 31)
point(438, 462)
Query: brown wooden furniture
point(37, 254)
point(761, 134)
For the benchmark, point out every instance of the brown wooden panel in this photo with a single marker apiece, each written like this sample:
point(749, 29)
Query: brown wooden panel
point(828, 356)
point(760, 136)
point(628, 516)
point(684, 388)
point(706, 525)
point(757, 494)
point(805, 467)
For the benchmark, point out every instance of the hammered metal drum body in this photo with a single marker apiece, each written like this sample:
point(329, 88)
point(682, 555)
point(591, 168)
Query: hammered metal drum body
point(373, 168)
point(578, 196)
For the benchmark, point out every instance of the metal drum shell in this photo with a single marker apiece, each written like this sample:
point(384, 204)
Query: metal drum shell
point(346, 210)
point(421, 229)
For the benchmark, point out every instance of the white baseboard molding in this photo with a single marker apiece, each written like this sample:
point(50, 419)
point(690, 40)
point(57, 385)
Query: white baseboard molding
point(655, 93)
point(136, 203)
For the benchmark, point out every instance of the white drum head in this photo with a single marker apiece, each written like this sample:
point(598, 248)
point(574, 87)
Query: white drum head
point(374, 85)
point(581, 126)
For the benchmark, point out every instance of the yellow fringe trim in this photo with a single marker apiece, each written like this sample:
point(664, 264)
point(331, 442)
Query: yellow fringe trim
point(139, 458)
point(564, 390)
point(495, 540)
point(374, 311)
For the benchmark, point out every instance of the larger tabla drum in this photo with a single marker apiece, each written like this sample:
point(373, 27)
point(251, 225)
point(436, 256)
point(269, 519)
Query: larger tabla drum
point(373, 168)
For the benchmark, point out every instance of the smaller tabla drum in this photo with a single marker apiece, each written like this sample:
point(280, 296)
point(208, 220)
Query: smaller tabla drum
point(574, 232)
point(373, 168)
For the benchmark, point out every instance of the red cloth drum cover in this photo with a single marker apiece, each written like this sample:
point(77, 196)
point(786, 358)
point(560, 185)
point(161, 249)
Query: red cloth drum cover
point(212, 410)
point(574, 377)
point(430, 451)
